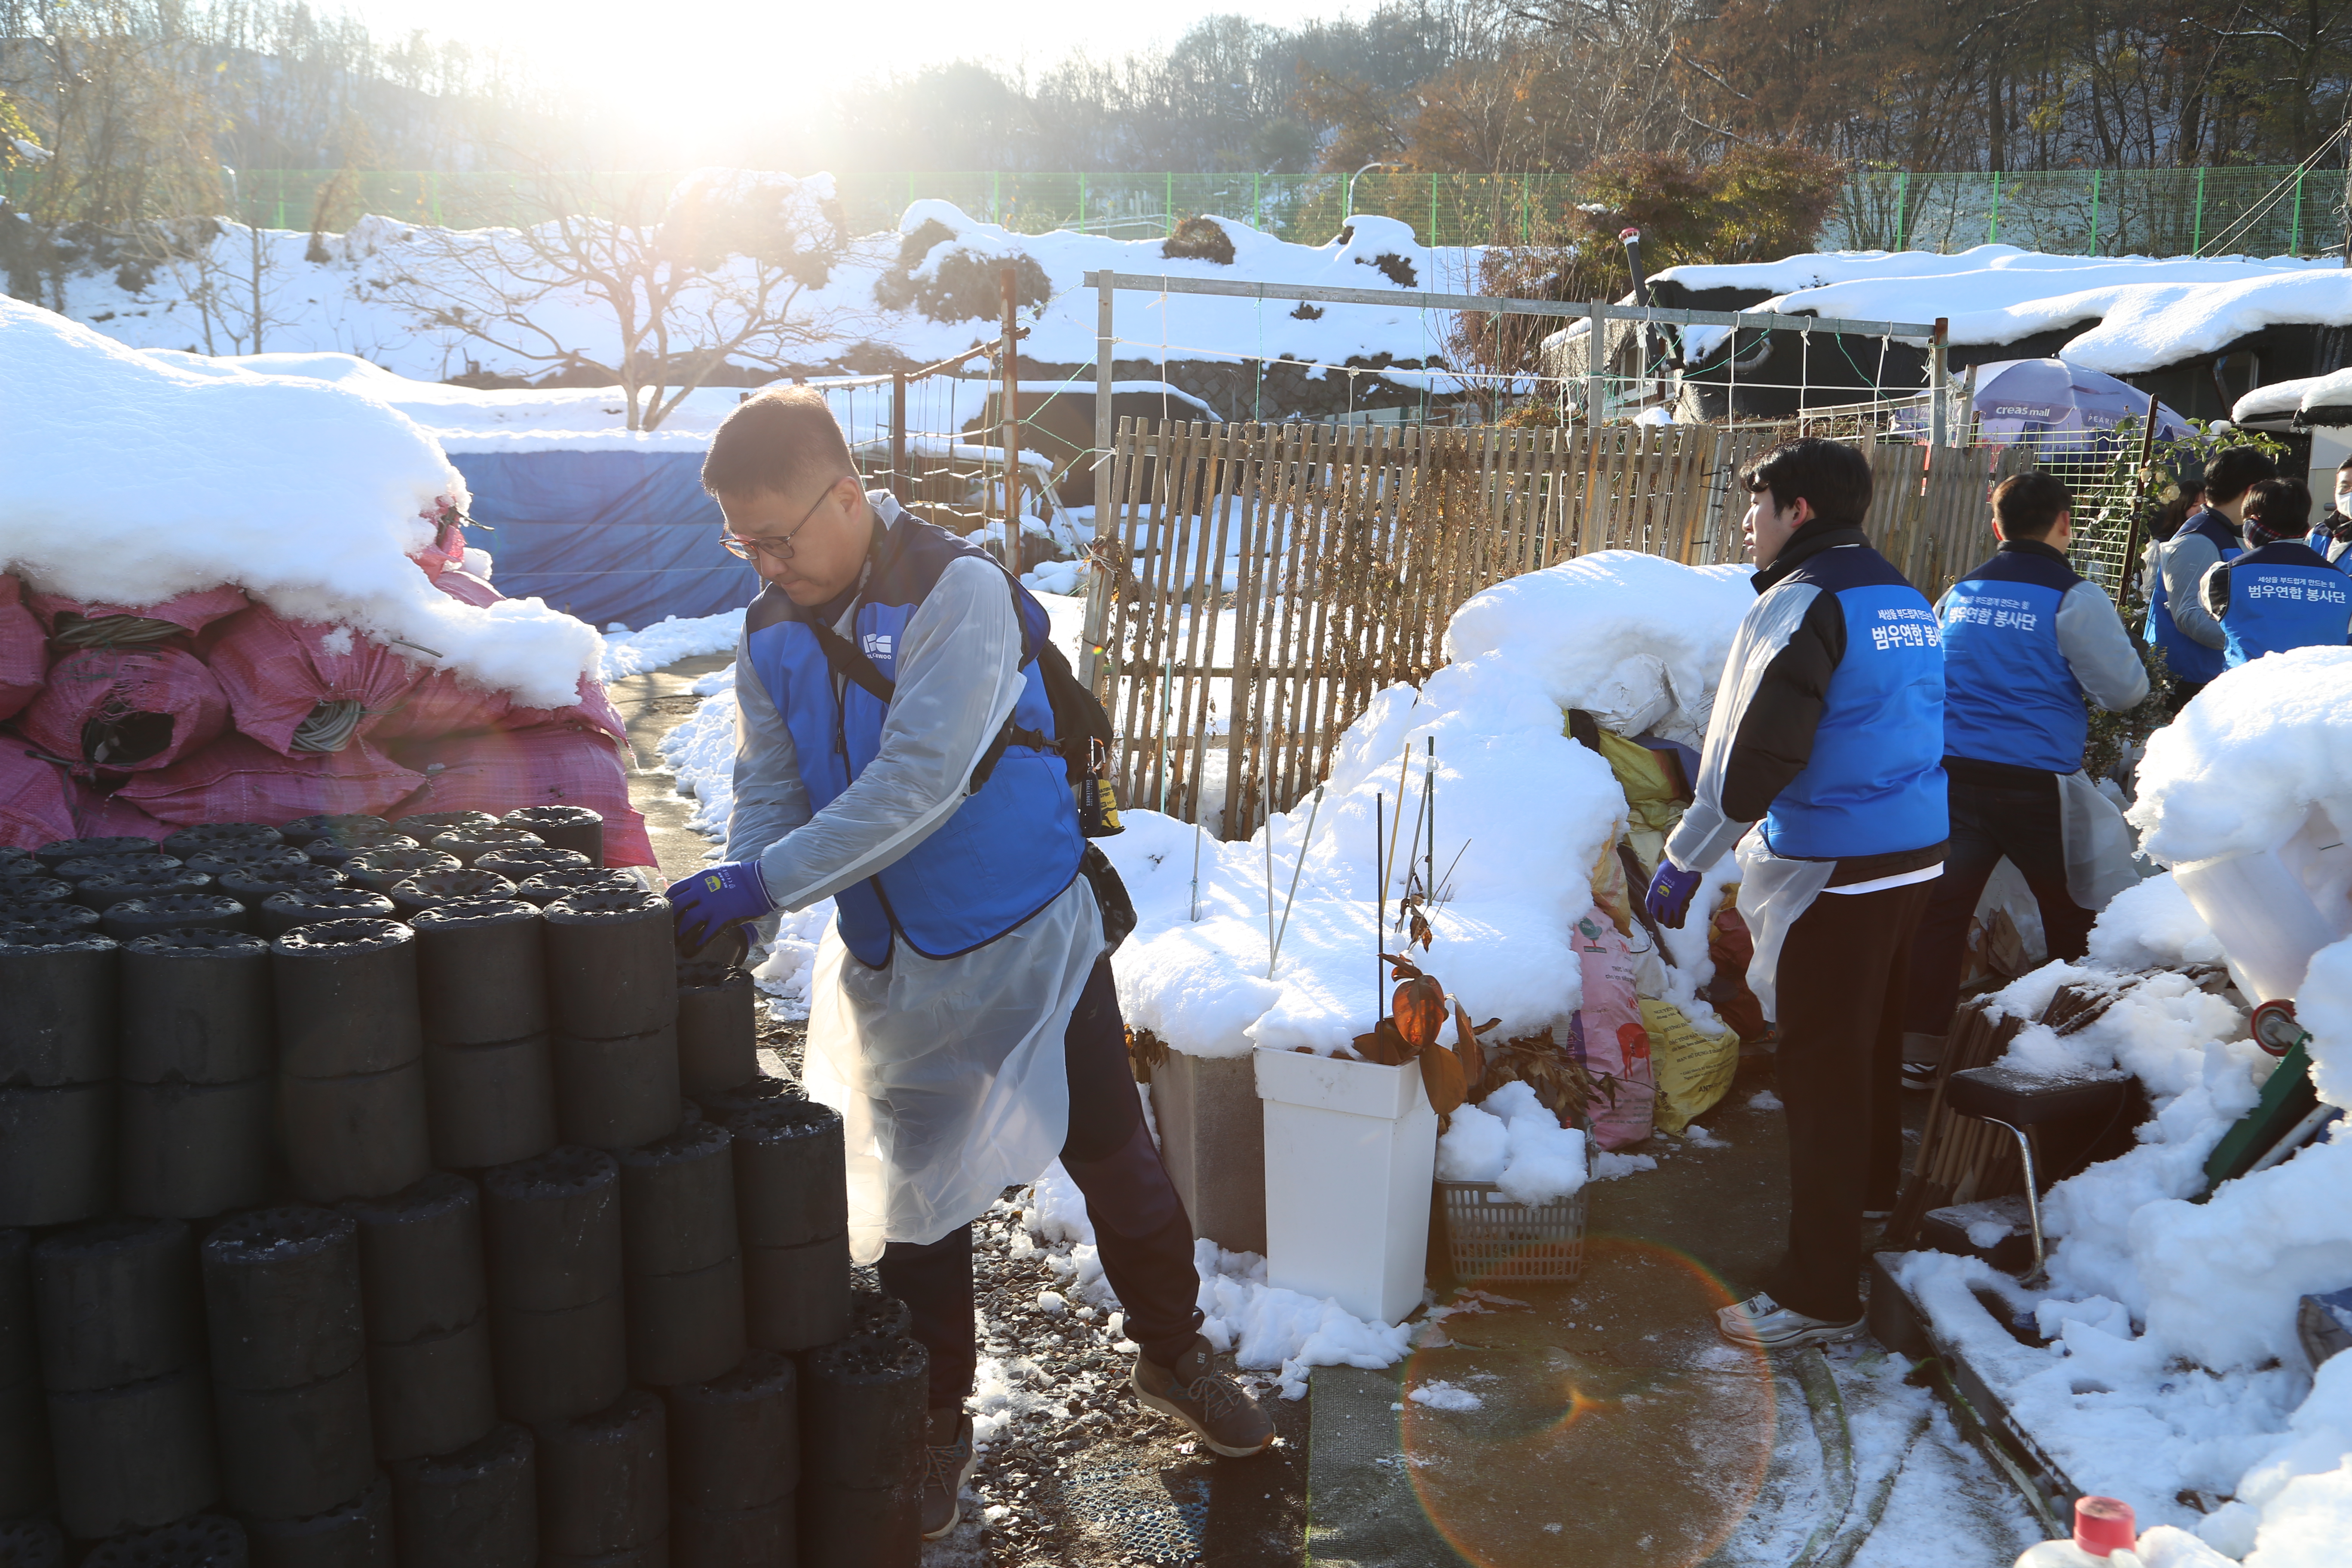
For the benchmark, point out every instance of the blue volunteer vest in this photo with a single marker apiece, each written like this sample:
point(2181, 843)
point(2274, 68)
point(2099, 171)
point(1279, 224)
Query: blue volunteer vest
point(2284, 596)
point(1876, 783)
point(2189, 659)
point(1008, 850)
point(2009, 694)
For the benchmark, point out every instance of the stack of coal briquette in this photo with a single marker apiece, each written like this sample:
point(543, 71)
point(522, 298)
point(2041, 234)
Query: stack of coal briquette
point(387, 1193)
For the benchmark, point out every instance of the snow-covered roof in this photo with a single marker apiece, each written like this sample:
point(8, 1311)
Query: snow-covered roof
point(2306, 396)
point(2139, 314)
point(126, 481)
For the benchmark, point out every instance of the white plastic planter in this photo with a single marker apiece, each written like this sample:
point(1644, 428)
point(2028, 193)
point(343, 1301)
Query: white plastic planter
point(1213, 1137)
point(1350, 1151)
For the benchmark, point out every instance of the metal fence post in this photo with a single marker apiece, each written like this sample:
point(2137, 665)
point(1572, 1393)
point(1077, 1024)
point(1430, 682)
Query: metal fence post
point(2197, 244)
point(1992, 224)
point(899, 485)
point(1105, 504)
point(1009, 283)
point(2095, 212)
point(1171, 200)
point(2294, 236)
point(1595, 351)
point(1939, 386)
point(1433, 215)
point(1902, 206)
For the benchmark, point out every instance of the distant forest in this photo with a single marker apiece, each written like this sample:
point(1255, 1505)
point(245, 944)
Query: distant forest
point(134, 107)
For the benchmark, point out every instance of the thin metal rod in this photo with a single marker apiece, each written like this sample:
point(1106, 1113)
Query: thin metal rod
point(1429, 793)
point(1380, 907)
point(1297, 865)
point(1453, 863)
point(1196, 870)
point(1489, 304)
point(1388, 867)
point(1265, 819)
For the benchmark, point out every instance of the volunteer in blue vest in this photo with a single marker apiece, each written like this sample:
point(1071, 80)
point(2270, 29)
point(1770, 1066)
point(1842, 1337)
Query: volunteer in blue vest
point(964, 1016)
point(2280, 593)
point(1828, 738)
point(2025, 639)
point(2332, 534)
point(2177, 621)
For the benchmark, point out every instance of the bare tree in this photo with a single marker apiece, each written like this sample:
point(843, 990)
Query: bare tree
point(682, 278)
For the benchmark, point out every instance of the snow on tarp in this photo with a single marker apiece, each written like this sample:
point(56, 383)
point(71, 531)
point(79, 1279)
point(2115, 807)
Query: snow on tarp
point(2146, 313)
point(2175, 1368)
point(126, 482)
point(2318, 399)
point(1527, 810)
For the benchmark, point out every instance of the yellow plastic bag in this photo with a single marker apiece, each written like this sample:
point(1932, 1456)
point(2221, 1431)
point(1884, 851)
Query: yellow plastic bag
point(1693, 1070)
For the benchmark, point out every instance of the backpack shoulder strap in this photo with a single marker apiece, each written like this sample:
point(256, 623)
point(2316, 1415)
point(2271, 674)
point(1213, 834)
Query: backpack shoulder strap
point(847, 660)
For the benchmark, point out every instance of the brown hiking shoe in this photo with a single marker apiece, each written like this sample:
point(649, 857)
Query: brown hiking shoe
point(949, 1460)
point(1196, 1392)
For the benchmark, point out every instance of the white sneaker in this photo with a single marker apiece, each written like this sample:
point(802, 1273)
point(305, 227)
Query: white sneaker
point(1761, 1324)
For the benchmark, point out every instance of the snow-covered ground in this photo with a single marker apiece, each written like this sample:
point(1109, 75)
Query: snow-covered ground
point(373, 297)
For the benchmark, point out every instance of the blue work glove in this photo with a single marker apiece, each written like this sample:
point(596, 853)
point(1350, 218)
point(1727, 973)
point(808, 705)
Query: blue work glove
point(718, 897)
point(1670, 893)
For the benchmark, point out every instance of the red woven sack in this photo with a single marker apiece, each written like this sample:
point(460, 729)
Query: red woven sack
point(443, 704)
point(240, 780)
point(101, 814)
point(278, 672)
point(126, 710)
point(549, 764)
point(37, 800)
point(191, 612)
point(23, 649)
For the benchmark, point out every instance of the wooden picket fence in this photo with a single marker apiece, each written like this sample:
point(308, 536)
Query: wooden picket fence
point(1253, 585)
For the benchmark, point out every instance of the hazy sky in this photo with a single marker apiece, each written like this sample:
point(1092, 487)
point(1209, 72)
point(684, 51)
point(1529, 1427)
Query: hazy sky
point(711, 58)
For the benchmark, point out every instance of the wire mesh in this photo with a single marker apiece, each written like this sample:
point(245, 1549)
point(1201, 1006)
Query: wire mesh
point(2085, 211)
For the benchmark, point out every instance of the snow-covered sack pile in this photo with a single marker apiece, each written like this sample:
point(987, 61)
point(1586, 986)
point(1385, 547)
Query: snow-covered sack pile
point(1636, 639)
point(287, 539)
point(2174, 1369)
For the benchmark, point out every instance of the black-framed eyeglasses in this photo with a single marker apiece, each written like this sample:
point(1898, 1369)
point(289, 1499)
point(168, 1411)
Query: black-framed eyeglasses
point(781, 545)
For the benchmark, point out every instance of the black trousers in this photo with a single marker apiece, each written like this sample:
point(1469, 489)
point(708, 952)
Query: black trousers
point(1141, 1232)
point(2017, 816)
point(1839, 1071)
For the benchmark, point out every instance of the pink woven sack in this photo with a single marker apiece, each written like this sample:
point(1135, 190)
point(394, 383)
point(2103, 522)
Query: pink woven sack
point(1608, 1035)
point(241, 780)
point(23, 650)
point(37, 800)
point(278, 673)
point(565, 764)
point(190, 612)
point(128, 709)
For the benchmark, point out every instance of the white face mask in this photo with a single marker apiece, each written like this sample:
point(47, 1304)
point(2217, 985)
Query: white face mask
point(2344, 498)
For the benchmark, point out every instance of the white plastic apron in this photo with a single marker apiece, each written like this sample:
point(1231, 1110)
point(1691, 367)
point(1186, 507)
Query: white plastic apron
point(2098, 844)
point(1774, 893)
point(948, 1073)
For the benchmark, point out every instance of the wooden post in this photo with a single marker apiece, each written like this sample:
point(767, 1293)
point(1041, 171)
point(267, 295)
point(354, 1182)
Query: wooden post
point(1009, 281)
point(899, 485)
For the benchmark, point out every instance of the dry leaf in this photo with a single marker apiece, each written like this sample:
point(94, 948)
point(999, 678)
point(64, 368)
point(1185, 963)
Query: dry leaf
point(1472, 1055)
point(1419, 1009)
point(1420, 931)
point(1440, 1079)
point(1401, 967)
point(1384, 1045)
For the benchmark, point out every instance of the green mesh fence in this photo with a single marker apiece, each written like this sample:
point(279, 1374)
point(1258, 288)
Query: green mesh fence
point(2262, 211)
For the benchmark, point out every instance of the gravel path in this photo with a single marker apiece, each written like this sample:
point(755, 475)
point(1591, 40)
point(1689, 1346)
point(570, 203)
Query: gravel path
point(1073, 1473)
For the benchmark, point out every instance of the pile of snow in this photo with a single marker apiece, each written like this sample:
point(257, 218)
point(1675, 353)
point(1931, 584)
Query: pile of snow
point(365, 300)
point(669, 639)
point(1513, 1140)
point(1522, 815)
point(125, 480)
point(2174, 1368)
point(2139, 314)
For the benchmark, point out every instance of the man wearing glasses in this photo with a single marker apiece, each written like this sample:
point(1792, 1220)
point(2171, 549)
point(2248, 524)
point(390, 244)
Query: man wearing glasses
point(963, 1018)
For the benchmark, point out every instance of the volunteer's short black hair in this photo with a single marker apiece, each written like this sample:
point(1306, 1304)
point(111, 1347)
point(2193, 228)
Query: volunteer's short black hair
point(2230, 476)
point(778, 441)
point(2027, 505)
point(2282, 506)
point(1832, 475)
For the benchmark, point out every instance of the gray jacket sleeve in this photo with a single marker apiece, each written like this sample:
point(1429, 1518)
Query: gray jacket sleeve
point(2187, 558)
point(2099, 650)
point(958, 674)
point(770, 799)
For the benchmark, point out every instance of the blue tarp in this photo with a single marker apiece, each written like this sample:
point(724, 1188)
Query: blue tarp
point(607, 536)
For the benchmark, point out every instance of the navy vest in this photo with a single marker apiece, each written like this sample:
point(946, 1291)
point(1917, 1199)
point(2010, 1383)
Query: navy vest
point(2284, 596)
point(1011, 847)
point(1876, 783)
point(2009, 694)
point(2189, 659)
